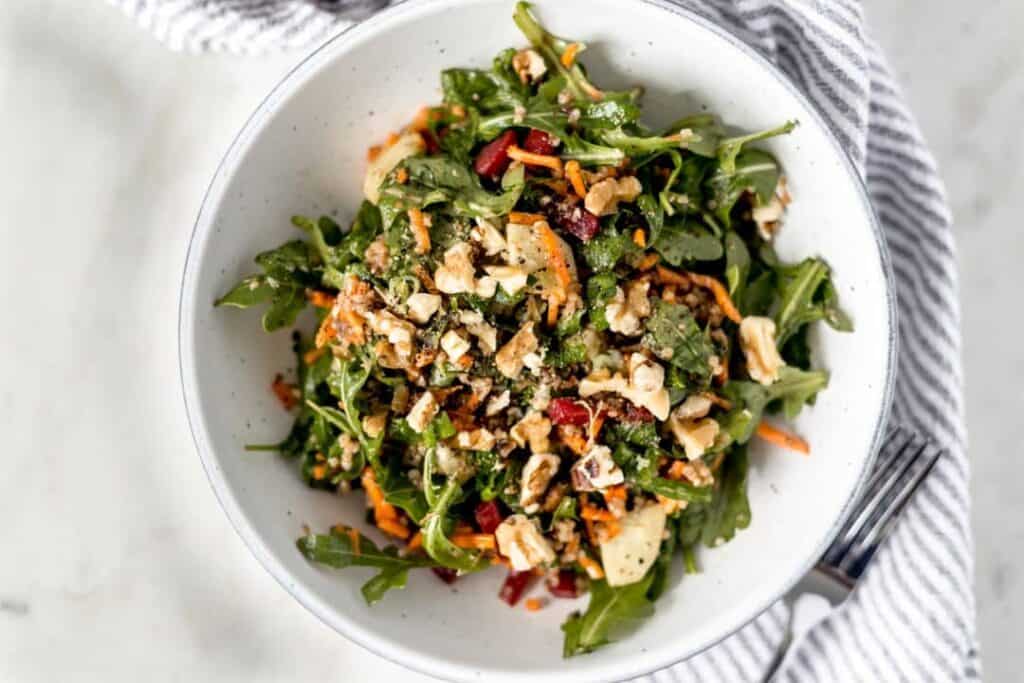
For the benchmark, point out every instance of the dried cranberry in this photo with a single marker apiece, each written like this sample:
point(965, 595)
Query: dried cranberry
point(488, 516)
point(539, 142)
point(514, 586)
point(575, 220)
point(568, 411)
point(637, 414)
point(493, 159)
point(445, 574)
point(564, 585)
point(431, 141)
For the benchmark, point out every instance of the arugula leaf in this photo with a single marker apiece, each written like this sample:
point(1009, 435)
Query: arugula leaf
point(607, 248)
point(674, 336)
point(794, 388)
point(684, 241)
point(441, 179)
point(752, 170)
point(437, 543)
point(806, 294)
point(336, 550)
point(707, 133)
point(610, 613)
point(729, 148)
point(386, 579)
point(737, 264)
point(400, 492)
point(729, 510)
point(672, 488)
point(637, 145)
point(496, 89)
point(551, 48)
point(288, 270)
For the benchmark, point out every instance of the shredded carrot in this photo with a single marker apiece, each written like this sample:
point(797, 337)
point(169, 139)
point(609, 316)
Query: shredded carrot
point(416, 542)
point(326, 332)
point(534, 604)
point(458, 111)
point(354, 536)
point(556, 184)
point(498, 559)
point(477, 541)
point(521, 218)
point(319, 472)
point(591, 534)
point(671, 277)
point(722, 297)
point(554, 303)
point(615, 492)
point(373, 492)
point(648, 261)
point(391, 139)
point(402, 176)
point(569, 56)
point(596, 514)
point(554, 249)
point(320, 457)
point(594, 93)
point(576, 443)
point(313, 355)
point(421, 121)
point(393, 527)
point(675, 471)
point(418, 225)
point(462, 528)
point(612, 529)
point(639, 238)
point(319, 299)
point(530, 159)
point(782, 438)
point(575, 176)
point(373, 152)
point(592, 567)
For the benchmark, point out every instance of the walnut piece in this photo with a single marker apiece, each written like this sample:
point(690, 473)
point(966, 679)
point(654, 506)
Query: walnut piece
point(603, 197)
point(519, 539)
point(757, 339)
point(509, 359)
point(534, 429)
point(596, 470)
point(628, 308)
point(422, 412)
point(537, 474)
point(529, 65)
point(422, 306)
point(695, 436)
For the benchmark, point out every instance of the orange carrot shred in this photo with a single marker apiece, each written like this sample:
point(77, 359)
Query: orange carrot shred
point(416, 541)
point(402, 176)
point(474, 541)
point(648, 261)
point(313, 355)
point(591, 566)
point(393, 527)
point(595, 426)
point(575, 176)
point(782, 438)
point(639, 238)
point(284, 392)
point(373, 152)
point(391, 139)
point(418, 225)
point(319, 472)
point(521, 218)
point(576, 443)
point(534, 604)
point(530, 159)
point(554, 248)
point(319, 299)
point(354, 536)
point(569, 56)
point(722, 297)
point(553, 305)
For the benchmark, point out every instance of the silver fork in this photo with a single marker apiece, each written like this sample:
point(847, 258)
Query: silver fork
point(904, 461)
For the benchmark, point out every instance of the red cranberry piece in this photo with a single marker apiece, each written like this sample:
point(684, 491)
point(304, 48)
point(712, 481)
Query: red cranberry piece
point(539, 142)
point(514, 586)
point(575, 220)
point(564, 585)
point(493, 159)
point(567, 411)
point(445, 574)
point(637, 414)
point(488, 516)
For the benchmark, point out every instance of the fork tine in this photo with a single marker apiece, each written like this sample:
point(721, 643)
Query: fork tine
point(862, 552)
point(877, 491)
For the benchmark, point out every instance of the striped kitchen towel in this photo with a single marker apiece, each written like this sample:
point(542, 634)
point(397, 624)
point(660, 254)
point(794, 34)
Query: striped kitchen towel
point(913, 615)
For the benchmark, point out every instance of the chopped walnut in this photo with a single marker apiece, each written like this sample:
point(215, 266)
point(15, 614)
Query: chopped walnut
point(476, 440)
point(509, 359)
point(456, 276)
point(757, 339)
point(537, 474)
point(422, 412)
point(695, 436)
point(377, 256)
point(555, 495)
point(451, 463)
point(399, 333)
point(628, 308)
point(534, 429)
point(486, 334)
point(520, 540)
point(603, 197)
point(596, 470)
point(695, 405)
point(509, 278)
point(498, 403)
point(488, 236)
point(422, 306)
point(769, 216)
point(644, 387)
point(529, 65)
point(455, 345)
point(374, 424)
point(697, 473)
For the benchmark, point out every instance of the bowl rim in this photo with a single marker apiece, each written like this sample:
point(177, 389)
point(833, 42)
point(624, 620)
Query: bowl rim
point(394, 651)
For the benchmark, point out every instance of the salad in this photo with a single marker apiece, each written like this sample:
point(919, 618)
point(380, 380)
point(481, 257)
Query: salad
point(546, 340)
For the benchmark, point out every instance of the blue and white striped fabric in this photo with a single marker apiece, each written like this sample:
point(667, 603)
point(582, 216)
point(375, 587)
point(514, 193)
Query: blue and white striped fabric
point(912, 617)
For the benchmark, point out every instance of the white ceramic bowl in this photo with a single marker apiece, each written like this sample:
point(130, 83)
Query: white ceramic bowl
point(303, 152)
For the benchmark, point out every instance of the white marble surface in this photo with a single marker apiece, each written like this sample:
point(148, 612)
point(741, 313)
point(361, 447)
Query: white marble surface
point(116, 559)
